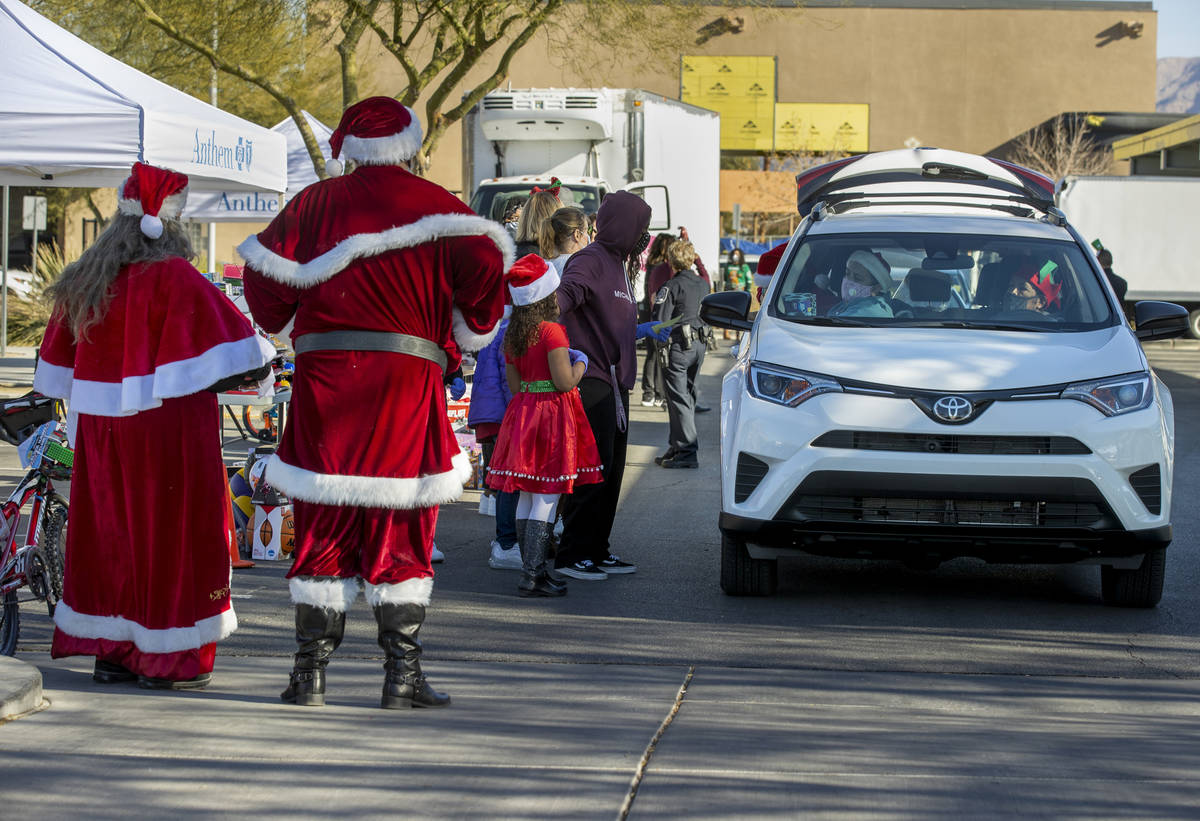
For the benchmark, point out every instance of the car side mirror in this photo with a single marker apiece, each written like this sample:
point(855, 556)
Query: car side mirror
point(1159, 320)
point(727, 309)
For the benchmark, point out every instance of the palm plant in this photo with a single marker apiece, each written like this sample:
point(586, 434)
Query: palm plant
point(28, 314)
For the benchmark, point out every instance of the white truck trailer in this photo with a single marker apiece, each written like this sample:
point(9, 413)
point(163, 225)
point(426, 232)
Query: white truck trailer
point(1148, 224)
point(597, 140)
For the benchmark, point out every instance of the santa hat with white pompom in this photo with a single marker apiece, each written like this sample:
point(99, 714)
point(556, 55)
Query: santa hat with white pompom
point(375, 131)
point(154, 194)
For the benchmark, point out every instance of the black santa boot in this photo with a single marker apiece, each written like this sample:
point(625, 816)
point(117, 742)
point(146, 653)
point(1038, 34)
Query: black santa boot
point(318, 633)
point(404, 685)
point(536, 580)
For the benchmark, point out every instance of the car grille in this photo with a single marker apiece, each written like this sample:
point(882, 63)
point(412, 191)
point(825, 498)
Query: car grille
point(993, 513)
point(750, 472)
point(1148, 486)
point(953, 443)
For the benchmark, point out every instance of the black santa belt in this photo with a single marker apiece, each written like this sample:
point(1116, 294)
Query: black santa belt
point(372, 341)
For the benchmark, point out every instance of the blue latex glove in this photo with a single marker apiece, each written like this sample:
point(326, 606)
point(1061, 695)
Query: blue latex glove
point(646, 329)
point(457, 388)
point(577, 356)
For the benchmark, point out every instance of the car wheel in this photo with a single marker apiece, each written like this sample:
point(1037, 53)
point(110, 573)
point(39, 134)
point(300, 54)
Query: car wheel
point(1135, 588)
point(742, 575)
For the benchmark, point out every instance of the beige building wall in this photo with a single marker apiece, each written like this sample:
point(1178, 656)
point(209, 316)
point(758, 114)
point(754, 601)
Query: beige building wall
point(963, 78)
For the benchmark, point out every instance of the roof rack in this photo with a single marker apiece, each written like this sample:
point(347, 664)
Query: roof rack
point(819, 183)
point(1017, 205)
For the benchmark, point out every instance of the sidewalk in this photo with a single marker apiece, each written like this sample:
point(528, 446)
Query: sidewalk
point(16, 370)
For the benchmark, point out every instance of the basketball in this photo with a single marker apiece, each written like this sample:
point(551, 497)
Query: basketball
point(265, 532)
point(287, 536)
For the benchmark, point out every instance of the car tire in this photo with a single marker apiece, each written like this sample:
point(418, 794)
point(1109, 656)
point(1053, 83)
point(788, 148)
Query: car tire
point(742, 575)
point(1135, 588)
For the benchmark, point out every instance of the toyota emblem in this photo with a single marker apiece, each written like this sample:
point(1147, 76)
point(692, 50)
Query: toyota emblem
point(953, 409)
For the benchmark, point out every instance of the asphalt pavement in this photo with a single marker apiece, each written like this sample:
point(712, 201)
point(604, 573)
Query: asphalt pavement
point(610, 704)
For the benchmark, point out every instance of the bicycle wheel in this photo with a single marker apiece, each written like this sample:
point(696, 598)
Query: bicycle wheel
point(259, 422)
point(10, 623)
point(52, 545)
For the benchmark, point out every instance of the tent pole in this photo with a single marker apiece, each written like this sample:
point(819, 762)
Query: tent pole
point(4, 276)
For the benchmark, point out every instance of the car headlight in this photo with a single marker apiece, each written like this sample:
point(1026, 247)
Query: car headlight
point(783, 386)
point(1115, 395)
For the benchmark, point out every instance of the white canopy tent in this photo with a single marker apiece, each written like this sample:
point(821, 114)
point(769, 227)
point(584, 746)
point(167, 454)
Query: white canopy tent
point(70, 115)
point(240, 206)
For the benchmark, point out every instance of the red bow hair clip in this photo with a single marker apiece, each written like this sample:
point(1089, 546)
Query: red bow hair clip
point(553, 188)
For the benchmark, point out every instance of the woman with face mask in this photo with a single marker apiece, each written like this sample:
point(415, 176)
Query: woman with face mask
point(865, 288)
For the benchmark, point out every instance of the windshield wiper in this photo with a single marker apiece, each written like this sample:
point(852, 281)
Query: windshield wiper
point(976, 326)
point(836, 320)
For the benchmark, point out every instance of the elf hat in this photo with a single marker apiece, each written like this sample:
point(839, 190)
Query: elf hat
point(531, 279)
point(1046, 282)
point(154, 194)
point(375, 131)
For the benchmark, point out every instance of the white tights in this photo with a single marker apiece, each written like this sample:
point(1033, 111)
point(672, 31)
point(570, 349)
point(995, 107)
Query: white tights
point(538, 507)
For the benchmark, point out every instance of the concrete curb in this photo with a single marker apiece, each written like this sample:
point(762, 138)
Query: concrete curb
point(20, 688)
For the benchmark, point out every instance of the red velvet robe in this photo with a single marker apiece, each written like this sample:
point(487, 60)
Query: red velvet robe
point(376, 250)
point(147, 571)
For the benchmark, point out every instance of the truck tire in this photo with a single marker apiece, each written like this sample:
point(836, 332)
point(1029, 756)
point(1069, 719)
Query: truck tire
point(1135, 588)
point(742, 575)
point(1194, 323)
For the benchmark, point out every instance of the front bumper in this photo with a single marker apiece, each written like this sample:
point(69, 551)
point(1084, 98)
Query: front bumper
point(1047, 507)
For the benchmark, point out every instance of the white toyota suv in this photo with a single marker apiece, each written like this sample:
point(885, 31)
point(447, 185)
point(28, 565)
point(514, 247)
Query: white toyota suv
point(939, 369)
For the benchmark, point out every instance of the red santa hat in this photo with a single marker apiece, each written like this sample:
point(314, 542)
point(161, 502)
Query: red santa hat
point(375, 131)
point(154, 194)
point(531, 279)
point(767, 263)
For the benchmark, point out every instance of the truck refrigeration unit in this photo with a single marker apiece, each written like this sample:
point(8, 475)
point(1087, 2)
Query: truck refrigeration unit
point(597, 140)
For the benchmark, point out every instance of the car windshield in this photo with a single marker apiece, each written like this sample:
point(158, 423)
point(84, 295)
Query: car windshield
point(941, 280)
point(494, 201)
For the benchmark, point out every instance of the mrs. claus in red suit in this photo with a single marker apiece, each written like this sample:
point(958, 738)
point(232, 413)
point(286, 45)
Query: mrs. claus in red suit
point(386, 276)
point(137, 345)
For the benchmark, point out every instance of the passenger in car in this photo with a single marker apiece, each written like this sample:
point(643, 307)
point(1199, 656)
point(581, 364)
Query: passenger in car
point(866, 287)
point(1034, 290)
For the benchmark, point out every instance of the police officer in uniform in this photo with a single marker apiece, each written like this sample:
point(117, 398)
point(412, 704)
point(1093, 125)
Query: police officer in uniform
point(679, 300)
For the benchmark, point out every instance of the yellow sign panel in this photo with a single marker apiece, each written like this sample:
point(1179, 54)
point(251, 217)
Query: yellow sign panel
point(821, 127)
point(741, 90)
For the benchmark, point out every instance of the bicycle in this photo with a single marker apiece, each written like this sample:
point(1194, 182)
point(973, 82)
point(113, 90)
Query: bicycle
point(37, 562)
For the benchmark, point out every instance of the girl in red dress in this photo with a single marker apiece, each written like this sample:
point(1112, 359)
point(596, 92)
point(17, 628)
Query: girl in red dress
point(545, 446)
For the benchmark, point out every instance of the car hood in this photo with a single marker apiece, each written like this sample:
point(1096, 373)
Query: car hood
point(949, 359)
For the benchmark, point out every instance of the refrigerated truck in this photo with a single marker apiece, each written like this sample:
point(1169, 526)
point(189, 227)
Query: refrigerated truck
point(598, 140)
point(1149, 226)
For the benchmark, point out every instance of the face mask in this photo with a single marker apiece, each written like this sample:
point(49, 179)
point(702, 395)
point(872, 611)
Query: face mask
point(854, 290)
point(641, 244)
point(1016, 302)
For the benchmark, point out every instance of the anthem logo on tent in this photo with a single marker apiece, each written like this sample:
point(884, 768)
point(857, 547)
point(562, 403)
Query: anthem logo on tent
point(207, 151)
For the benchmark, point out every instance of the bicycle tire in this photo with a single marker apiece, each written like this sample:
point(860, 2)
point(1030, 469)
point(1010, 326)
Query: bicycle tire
point(266, 431)
point(10, 623)
point(52, 542)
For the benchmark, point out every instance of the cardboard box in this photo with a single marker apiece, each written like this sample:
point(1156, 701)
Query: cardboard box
point(271, 532)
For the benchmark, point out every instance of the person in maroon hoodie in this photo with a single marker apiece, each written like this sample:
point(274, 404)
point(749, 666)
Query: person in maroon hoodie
point(597, 306)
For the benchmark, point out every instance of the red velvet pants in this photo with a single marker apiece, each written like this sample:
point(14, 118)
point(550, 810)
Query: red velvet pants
point(378, 545)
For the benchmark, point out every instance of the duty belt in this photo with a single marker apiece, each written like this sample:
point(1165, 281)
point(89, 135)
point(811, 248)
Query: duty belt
point(372, 341)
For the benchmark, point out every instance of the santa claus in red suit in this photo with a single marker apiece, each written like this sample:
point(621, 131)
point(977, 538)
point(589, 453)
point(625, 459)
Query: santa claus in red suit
point(138, 343)
point(385, 276)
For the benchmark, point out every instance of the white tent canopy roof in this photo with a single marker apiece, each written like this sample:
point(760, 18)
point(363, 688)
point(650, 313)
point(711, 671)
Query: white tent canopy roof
point(240, 206)
point(70, 115)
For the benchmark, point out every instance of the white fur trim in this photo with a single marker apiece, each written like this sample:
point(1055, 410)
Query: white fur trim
point(390, 150)
point(467, 339)
point(762, 280)
point(146, 639)
point(138, 393)
point(370, 491)
point(537, 290)
point(329, 593)
point(53, 380)
point(172, 206)
point(409, 591)
point(324, 267)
